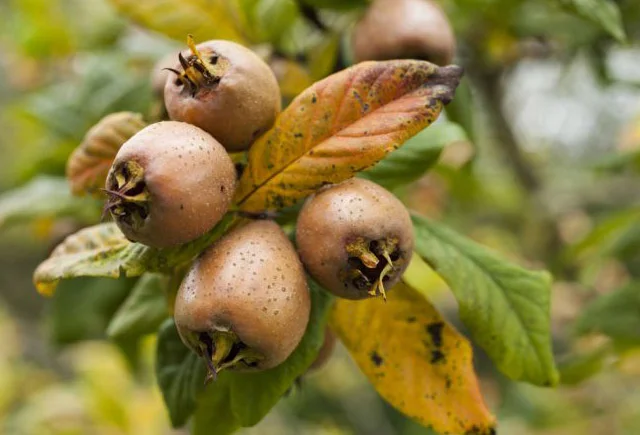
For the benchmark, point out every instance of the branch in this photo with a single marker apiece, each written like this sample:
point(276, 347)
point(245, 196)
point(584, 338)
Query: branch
point(493, 94)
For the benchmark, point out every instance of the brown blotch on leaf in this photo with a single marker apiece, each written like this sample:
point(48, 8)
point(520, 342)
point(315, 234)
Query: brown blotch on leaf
point(435, 332)
point(376, 359)
point(437, 357)
point(476, 430)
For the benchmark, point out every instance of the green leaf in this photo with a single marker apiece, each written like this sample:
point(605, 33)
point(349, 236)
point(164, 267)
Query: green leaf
point(415, 157)
point(336, 4)
point(214, 414)
point(462, 110)
point(102, 250)
point(205, 19)
point(252, 395)
point(580, 367)
point(608, 233)
point(322, 57)
point(604, 13)
point(45, 198)
point(82, 307)
point(277, 17)
point(505, 307)
point(144, 309)
point(180, 374)
point(615, 314)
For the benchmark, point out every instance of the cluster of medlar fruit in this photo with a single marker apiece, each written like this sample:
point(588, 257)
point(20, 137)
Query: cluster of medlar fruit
point(244, 304)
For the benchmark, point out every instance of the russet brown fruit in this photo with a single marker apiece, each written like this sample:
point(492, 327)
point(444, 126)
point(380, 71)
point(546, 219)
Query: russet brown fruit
point(404, 29)
point(245, 303)
point(169, 184)
point(225, 89)
point(355, 238)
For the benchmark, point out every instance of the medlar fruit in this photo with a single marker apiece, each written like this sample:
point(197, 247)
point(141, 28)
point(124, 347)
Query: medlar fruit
point(169, 184)
point(355, 238)
point(225, 89)
point(244, 304)
point(404, 29)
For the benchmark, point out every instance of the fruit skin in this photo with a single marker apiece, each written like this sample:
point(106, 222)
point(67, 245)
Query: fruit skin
point(183, 185)
point(238, 103)
point(250, 283)
point(335, 231)
point(404, 29)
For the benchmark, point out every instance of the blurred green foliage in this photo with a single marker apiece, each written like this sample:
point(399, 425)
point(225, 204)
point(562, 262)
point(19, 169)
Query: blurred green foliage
point(67, 63)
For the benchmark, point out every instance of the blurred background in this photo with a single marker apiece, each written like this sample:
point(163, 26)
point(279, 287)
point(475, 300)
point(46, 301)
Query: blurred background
point(544, 169)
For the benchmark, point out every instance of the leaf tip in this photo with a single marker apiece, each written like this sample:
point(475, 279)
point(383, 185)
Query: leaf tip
point(46, 288)
point(449, 78)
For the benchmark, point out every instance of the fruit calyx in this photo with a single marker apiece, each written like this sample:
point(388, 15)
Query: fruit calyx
point(128, 195)
point(223, 350)
point(199, 72)
point(371, 262)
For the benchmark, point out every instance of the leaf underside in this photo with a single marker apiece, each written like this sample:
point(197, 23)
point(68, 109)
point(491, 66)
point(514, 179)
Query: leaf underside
point(102, 250)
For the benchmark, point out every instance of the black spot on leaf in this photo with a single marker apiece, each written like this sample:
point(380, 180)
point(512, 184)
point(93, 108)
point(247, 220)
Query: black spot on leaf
point(435, 331)
point(376, 359)
point(437, 357)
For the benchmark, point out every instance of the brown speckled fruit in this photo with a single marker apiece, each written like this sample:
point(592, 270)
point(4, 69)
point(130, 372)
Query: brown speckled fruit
point(169, 184)
point(245, 303)
point(225, 89)
point(404, 29)
point(355, 238)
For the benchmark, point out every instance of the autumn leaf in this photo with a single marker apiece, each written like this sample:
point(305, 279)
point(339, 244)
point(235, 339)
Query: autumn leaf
point(205, 19)
point(89, 164)
point(93, 251)
point(415, 360)
point(103, 251)
point(342, 125)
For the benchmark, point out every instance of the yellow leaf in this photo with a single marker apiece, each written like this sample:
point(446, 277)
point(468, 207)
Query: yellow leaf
point(415, 360)
point(89, 164)
point(341, 125)
point(204, 19)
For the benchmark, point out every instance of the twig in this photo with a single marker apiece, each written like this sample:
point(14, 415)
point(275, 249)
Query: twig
point(311, 15)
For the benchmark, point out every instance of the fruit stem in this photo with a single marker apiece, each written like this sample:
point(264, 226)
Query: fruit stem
point(128, 194)
point(217, 349)
point(197, 72)
point(360, 249)
point(378, 287)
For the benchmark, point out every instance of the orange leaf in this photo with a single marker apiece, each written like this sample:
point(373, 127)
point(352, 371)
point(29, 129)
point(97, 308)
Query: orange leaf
point(90, 162)
point(416, 361)
point(341, 125)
